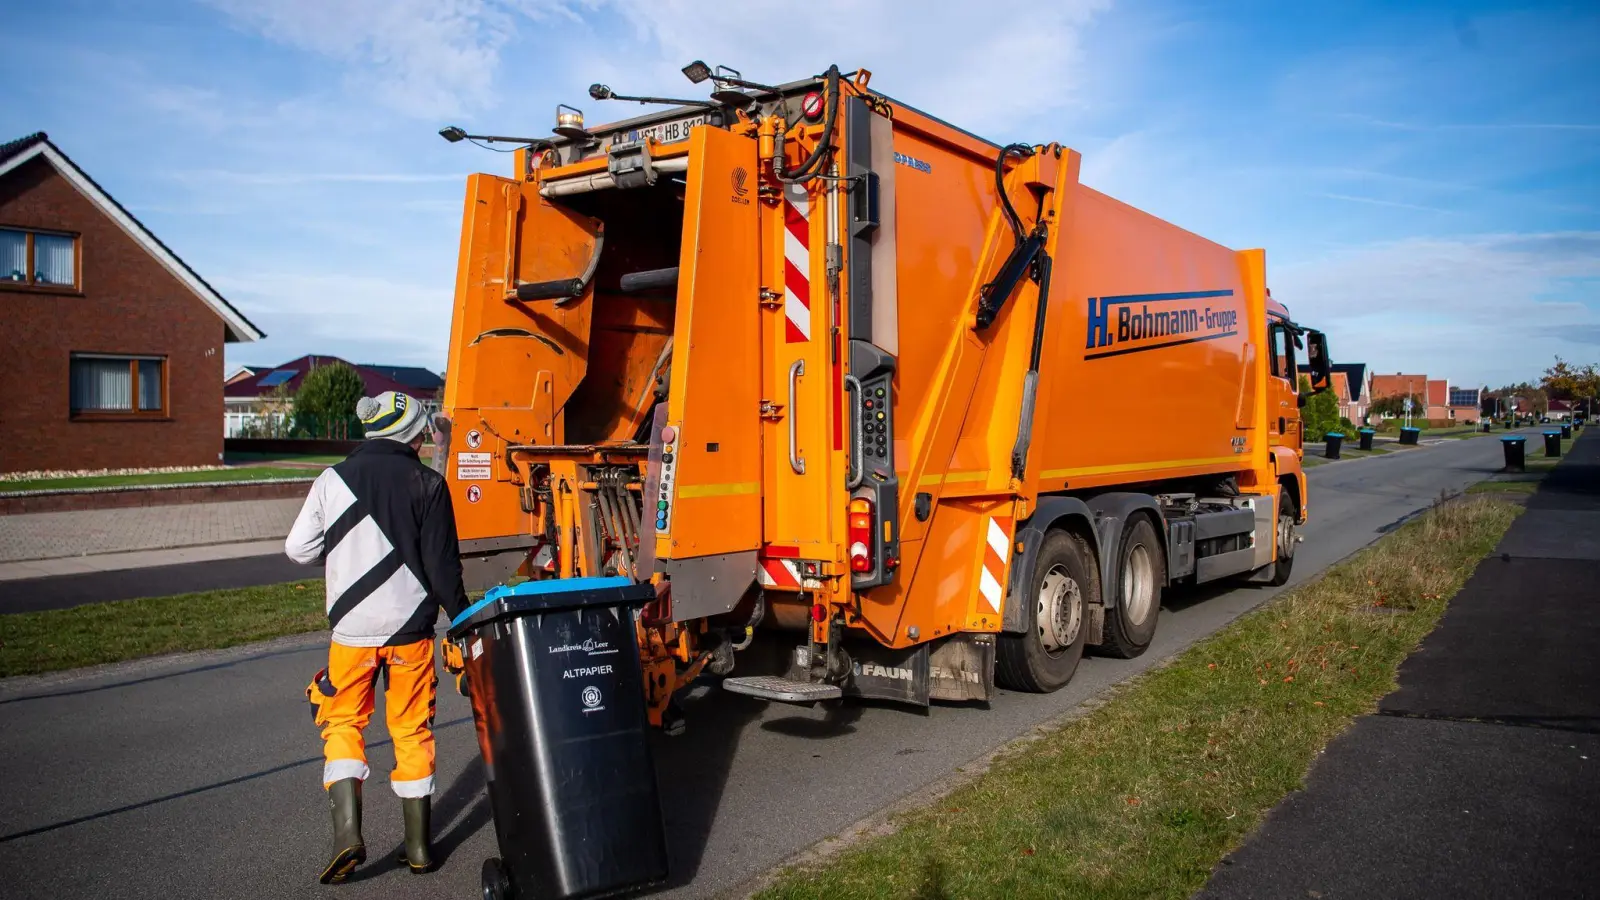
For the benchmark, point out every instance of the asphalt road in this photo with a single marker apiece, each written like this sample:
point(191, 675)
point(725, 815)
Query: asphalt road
point(199, 776)
point(64, 591)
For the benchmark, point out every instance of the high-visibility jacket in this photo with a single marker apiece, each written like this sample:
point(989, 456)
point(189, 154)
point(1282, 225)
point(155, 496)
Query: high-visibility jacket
point(383, 525)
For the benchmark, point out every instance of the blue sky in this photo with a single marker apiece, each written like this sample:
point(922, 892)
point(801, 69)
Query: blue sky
point(1425, 177)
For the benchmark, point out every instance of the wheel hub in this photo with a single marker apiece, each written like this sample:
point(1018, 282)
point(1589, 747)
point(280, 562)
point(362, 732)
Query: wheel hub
point(1286, 537)
point(1060, 610)
point(1138, 585)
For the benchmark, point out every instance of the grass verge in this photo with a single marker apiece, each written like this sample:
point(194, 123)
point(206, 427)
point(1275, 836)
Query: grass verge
point(327, 459)
point(1537, 464)
point(245, 473)
point(1142, 796)
point(31, 643)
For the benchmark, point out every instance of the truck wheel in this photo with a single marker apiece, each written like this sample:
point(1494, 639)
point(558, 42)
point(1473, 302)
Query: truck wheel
point(1060, 587)
point(1287, 535)
point(1132, 611)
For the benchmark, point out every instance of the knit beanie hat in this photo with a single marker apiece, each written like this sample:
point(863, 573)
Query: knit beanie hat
point(392, 415)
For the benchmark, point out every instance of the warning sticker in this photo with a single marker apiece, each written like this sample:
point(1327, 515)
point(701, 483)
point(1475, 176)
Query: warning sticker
point(473, 459)
point(474, 493)
point(473, 473)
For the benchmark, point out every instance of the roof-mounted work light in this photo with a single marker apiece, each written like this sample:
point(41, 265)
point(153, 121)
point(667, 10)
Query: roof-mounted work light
point(569, 123)
point(697, 71)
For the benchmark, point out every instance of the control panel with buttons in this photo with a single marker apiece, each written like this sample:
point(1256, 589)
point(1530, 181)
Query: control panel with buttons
point(874, 370)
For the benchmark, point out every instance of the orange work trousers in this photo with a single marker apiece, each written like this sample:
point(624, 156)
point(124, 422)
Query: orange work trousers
point(343, 699)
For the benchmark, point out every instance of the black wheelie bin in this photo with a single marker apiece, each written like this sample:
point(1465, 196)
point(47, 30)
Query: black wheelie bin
point(554, 677)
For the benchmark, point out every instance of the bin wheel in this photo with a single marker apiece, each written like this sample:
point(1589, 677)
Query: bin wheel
point(496, 886)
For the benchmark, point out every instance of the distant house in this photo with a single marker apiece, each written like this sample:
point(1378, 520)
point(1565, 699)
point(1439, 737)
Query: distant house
point(1466, 404)
point(111, 348)
point(1398, 385)
point(266, 398)
point(423, 384)
point(1559, 410)
point(1357, 397)
point(240, 373)
point(1438, 400)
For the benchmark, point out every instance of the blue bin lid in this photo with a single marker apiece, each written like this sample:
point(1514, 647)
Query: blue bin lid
point(1367, 430)
point(553, 594)
point(1514, 439)
point(1337, 434)
point(1409, 428)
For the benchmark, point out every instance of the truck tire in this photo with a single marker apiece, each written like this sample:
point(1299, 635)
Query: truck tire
point(1135, 601)
point(1059, 590)
point(1284, 564)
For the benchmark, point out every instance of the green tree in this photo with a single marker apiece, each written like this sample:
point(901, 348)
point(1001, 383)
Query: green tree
point(325, 405)
point(1391, 405)
point(1321, 414)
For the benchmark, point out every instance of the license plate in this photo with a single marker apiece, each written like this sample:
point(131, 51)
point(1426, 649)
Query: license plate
point(663, 132)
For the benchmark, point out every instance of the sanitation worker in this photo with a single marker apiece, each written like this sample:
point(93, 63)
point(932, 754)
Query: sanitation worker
point(382, 524)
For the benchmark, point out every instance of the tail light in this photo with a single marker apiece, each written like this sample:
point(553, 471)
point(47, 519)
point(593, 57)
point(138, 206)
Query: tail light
point(860, 535)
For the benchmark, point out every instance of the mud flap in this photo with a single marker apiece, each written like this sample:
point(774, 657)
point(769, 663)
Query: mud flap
point(961, 667)
point(885, 673)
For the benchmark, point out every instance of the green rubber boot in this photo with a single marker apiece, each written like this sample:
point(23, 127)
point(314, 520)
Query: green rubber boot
point(418, 854)
point(349, 850)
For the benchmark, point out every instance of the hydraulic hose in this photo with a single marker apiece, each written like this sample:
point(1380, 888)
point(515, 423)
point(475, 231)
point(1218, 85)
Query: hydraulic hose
point(1024, 151)
point(811, 167)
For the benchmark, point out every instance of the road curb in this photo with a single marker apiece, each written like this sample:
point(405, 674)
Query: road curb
point(122, 497)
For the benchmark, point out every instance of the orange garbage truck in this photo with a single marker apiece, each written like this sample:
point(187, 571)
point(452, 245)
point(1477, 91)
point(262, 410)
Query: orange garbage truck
point(811, 360)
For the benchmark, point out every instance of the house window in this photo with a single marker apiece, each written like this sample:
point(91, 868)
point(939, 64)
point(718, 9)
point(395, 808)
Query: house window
point(38, 258)
point(118, 386)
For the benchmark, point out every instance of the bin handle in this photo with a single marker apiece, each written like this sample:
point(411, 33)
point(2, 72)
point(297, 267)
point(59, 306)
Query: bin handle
point(858, 459)
point(795, 461)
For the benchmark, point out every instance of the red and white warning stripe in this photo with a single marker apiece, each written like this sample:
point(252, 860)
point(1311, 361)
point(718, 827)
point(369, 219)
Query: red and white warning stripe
point(797, 264)
point(783, 573)
point(991, 584)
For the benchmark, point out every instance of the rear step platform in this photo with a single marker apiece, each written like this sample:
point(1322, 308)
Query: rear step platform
point(783, 690)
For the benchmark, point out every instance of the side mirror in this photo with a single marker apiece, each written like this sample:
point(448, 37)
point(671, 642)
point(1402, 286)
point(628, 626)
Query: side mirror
point(1317, 360)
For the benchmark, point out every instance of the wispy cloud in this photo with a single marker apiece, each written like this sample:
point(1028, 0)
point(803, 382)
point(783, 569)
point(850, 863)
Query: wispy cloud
point(1469, 308)
point(423, 58)
point(1374, 201)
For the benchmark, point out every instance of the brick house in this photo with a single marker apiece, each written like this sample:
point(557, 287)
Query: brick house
point(1356, 392)
point(1438, 396)
point(1466, 405)
point(1398, 385)
point(113, 346)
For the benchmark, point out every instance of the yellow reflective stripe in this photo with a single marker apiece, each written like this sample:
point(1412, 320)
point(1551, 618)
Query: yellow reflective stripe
point(952, 478)
point(693, 491)
point(1137, 467)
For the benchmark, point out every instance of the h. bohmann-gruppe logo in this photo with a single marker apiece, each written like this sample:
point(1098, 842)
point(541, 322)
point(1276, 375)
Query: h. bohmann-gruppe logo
point(1132, 323)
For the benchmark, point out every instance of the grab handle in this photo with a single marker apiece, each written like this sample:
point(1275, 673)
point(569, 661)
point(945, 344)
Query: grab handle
point(858, 459)
point(795, 462)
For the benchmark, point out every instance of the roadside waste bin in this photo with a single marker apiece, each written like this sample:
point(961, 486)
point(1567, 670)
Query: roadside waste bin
point(1566, 431)
point(1408, 436)
point(1366, 437)
point(1332, 441)
point(553, 673)
point(1552, 443)
point(1515, 447)
point(1487, 427)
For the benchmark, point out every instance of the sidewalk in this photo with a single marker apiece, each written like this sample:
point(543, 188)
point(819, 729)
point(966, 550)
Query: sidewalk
point(71, 539)
point(1480, 775)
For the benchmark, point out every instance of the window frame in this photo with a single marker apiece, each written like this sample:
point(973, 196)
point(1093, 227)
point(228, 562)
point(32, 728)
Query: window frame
point(1278, 330)
point(164, 413)
point(28, 283)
